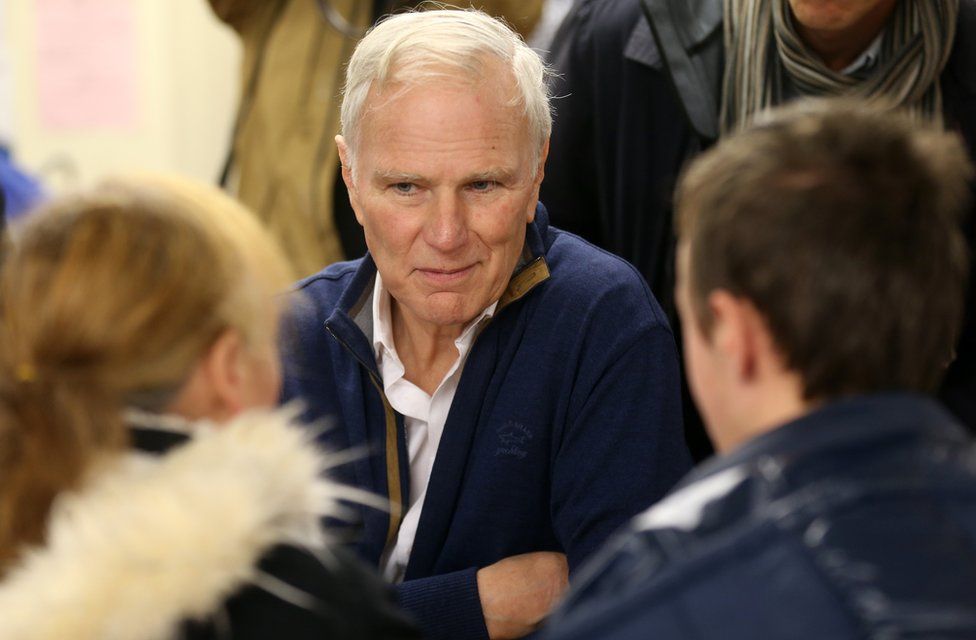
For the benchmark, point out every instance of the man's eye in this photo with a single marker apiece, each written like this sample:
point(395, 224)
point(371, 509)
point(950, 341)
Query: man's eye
point(483, 185)
point(403, 187)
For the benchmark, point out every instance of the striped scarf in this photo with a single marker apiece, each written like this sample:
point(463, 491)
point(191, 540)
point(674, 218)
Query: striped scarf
point(767, 63)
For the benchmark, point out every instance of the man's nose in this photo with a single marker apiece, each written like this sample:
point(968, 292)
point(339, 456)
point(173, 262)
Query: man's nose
point(447, 228)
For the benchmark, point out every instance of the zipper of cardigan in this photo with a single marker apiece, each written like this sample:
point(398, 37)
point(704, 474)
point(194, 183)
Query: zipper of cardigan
point(393, 486)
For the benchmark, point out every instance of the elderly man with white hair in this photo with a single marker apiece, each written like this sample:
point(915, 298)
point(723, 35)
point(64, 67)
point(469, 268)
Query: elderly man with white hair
point(513, 388)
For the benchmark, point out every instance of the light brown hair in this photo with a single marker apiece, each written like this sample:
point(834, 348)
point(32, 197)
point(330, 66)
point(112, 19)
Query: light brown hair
point(107, 300)
point(841, 224)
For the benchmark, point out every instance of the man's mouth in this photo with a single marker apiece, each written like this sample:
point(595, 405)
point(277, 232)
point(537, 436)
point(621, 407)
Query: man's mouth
point(446, 276)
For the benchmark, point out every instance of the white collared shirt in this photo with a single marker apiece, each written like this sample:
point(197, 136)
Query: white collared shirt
point(423, 418)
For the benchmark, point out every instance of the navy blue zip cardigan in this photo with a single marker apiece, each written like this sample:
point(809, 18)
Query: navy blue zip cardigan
point(566, 421)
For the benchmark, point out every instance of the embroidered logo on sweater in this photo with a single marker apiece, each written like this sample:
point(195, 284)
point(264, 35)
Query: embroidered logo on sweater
point(513, 437)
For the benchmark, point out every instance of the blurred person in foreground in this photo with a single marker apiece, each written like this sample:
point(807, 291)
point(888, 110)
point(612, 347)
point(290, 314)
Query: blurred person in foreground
point(843, 501)
point(516, 386)
point(147, 487)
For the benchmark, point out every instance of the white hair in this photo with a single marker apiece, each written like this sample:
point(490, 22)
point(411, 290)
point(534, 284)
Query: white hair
point(417, 47)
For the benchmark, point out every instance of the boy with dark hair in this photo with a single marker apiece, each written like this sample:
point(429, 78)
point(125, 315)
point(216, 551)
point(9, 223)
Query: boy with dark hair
point(821, 273)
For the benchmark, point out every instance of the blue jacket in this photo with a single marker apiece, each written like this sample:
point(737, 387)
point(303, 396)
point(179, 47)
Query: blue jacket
point(855, 521)
point(566, 421)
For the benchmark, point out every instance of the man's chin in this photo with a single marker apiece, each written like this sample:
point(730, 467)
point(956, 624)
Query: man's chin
point(449, 310)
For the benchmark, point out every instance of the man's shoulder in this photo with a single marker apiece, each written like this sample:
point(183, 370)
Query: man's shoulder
point(338, 273)
point(325, 288)
point(775, 567)
point(725, 563)
point(587, 275)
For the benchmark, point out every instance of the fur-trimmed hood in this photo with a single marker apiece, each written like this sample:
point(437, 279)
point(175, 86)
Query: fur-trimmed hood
point(151, 541)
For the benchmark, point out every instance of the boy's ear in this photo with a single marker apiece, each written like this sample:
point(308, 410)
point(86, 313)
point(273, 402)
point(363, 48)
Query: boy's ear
point(540, 173)
point(736, 331)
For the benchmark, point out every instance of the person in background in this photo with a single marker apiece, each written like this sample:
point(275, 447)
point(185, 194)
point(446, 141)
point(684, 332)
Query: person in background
point(554, 12)
point(842, 502)
point(147, 490)
point(22, 192)
point(517, 387)
point(649, 84)
point(282, 162)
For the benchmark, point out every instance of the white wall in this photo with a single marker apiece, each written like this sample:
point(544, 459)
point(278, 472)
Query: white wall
point(186, 75)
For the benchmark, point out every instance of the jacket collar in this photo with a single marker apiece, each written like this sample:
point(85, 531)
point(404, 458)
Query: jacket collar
point(150, 541)
point(684, 38)
point(155, 433)
point(840, 424)
point(866, 423)
point(693, 21)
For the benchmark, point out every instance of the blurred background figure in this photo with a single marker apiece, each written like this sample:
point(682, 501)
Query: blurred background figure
point(554, 12)
point(21, 191)
point(649, 84)
point(283, 162)
point(147, 488)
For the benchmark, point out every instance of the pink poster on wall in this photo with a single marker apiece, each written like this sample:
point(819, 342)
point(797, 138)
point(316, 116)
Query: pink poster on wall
point(86, 64)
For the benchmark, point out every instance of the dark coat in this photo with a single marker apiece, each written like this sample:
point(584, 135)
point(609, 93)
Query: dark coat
point(621, 136)
point(857, 520)
point(565, 423)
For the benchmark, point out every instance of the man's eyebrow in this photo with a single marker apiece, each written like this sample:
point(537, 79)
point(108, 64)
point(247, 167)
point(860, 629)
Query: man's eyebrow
point(394, 177)
point(499, 174)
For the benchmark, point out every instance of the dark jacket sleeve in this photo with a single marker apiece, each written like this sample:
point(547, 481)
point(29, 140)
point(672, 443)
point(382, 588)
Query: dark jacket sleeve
point(447, 606)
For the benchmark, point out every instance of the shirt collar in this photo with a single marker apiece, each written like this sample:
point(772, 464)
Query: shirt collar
point(383, 323)
point(837, 424)
point(867, 59)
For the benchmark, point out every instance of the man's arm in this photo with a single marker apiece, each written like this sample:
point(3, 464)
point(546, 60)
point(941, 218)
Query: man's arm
point(507, 599)
point(622, 448)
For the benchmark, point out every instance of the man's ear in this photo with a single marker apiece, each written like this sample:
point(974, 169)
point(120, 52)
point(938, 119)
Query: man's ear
point(345, 162)
point(736, 332)
point(540, 173)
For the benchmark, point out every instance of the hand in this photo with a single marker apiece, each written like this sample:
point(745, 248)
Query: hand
point(518, 592)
